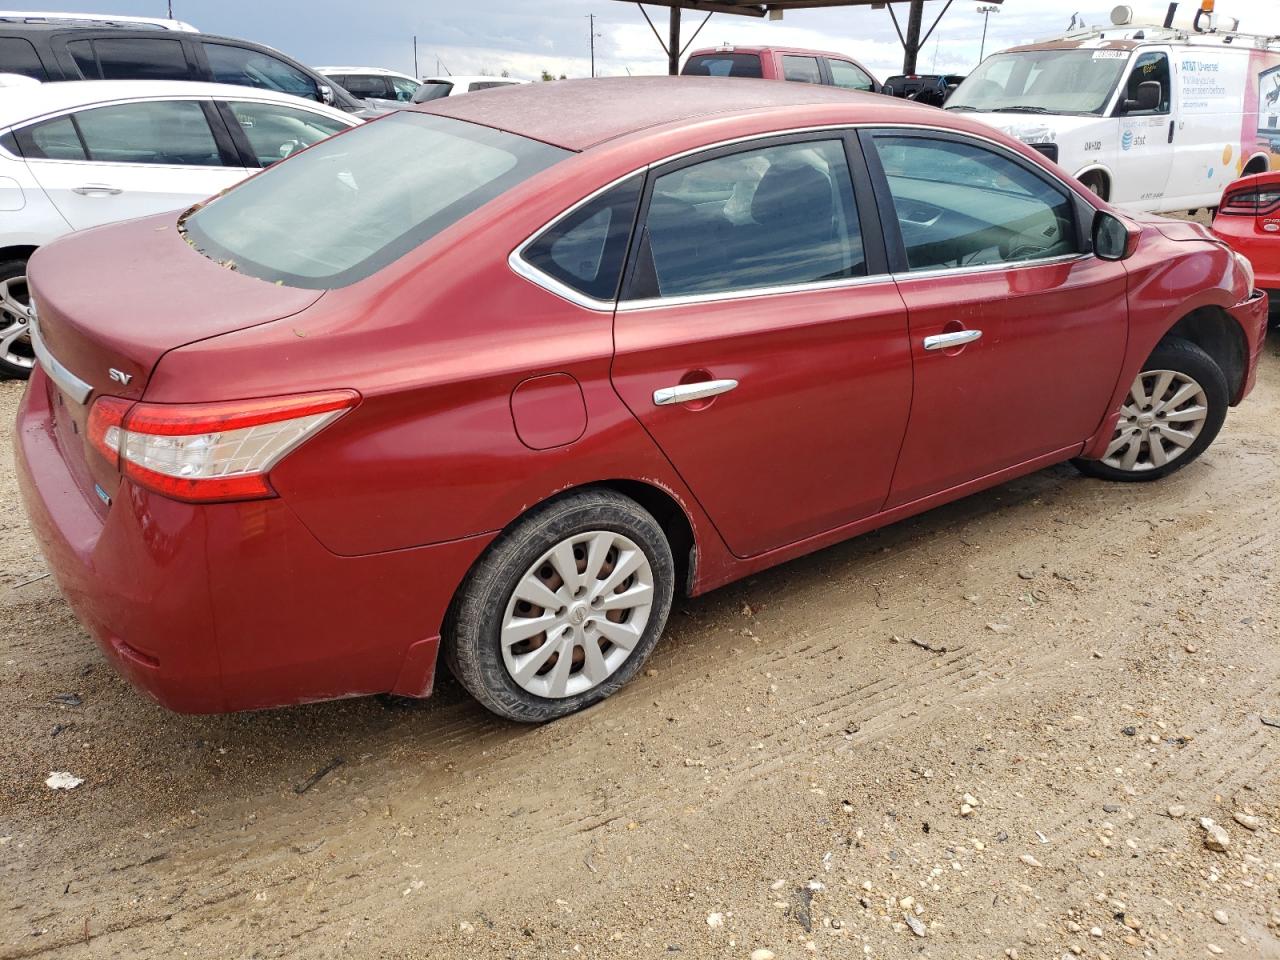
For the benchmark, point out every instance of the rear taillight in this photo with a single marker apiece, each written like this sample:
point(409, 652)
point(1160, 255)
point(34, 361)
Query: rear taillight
point(1251, 202)
point(205, 452)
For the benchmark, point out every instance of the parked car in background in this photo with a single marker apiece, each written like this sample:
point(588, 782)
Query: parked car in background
point(611, 344)
point(77, 155)
point(781, 63)
point(433, 88)
point(93, 19)
point(384, 87)
point(1149, 117)
point(930, 88)
point(1249, 220)
point(56, 51)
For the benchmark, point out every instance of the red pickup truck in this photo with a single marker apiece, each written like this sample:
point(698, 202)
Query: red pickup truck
point(782, 63)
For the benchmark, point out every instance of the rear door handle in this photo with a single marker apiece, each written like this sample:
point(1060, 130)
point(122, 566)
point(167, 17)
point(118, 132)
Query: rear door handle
point(945, 341)
point(97, 190)
point(688, 392)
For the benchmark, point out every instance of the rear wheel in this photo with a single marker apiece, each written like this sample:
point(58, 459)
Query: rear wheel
point(1174, 410)
point(563, 609)
point(16, 355)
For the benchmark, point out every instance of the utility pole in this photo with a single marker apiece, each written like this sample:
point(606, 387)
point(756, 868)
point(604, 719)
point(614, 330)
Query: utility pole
point(591, 17)
point(416, 74)
point(673, 43)
point(170, 9)
point(986, 13)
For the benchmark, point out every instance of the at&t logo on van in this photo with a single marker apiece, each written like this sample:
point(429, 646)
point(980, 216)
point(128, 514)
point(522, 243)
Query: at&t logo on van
point(1128, 141)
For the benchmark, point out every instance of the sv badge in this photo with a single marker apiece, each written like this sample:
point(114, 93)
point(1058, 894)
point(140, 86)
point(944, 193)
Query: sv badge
point(119, 376)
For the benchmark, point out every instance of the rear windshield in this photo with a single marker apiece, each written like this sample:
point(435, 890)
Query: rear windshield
point(432, 90)
point(723, 65)
point(345, 208)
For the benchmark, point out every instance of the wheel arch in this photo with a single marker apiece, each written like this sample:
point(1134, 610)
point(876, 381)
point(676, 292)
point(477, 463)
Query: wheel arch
point(1258, 163)
point(20, 251)
point(1213, 330)
point(1100, 173)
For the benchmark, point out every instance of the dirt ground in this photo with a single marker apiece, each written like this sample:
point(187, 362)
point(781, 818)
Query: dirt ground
point(1001, 720)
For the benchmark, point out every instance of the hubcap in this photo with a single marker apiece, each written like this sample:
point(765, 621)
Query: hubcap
point(1159, 421)
point(577, 614)
point(15, 330)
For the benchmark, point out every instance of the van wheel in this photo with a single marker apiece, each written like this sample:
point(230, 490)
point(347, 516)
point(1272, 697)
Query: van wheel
point(1174, 410)
point(564, 607)
point(16, 354)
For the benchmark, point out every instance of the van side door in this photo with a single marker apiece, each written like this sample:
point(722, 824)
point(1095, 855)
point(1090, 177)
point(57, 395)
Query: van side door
point(1144, 160)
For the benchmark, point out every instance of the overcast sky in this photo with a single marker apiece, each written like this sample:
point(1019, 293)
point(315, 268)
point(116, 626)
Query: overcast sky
point(525, 37)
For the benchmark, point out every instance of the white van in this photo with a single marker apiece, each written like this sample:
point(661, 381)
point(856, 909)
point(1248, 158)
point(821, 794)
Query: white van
point(1152, 118)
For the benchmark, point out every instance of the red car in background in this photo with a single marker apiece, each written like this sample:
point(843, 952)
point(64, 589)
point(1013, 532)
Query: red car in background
point(1249, 220)
point(782, 63)
point(500, 376)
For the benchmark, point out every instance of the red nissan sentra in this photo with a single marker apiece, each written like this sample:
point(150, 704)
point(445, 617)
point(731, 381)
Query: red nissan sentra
point(500, 377)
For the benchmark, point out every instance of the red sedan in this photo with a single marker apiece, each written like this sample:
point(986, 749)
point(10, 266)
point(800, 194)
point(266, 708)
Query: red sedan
point(499, 377)
point(1249, 220)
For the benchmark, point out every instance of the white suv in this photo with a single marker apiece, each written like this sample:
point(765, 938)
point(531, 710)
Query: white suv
point(76, 155)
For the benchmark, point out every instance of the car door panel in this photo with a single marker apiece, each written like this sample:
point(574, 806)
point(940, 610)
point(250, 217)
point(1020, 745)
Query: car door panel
point(803, 433)
point(1017, 333)
point(1038, 379)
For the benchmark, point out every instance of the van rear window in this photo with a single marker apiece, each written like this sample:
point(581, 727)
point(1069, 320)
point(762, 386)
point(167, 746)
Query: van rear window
point(723, 65)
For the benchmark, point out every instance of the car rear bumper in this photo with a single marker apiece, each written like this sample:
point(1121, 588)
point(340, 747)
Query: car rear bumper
point(234, 606)
point(1252, 315)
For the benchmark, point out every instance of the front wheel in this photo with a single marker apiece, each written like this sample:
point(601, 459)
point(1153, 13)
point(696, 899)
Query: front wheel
point(16, 354)
point(1174, 410)
point(564, 607)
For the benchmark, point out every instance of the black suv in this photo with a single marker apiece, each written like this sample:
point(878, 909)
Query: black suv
point(51, 51)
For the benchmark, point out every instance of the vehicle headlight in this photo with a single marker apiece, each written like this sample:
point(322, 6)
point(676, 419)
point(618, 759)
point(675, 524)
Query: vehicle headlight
point(1247, 268)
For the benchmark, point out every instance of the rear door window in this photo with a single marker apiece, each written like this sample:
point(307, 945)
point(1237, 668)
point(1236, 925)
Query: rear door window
point(801, 69)
point(774, 216)
point(19, 56)
point(849, 76)
point(167, 132)
point(723, 65)
point(130, 58)
point(250, 68)
point(585, 250)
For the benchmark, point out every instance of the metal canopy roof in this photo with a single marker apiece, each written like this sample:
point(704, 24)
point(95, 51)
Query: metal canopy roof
point(911, 40)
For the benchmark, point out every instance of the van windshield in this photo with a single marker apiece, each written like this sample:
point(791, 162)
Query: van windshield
point(348, 206)
point(1043, 81)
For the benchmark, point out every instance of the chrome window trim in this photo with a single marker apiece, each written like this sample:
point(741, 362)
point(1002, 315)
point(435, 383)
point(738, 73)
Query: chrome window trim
point(654, 303)
point(67, 382)
point(523, 268)
point(935, 272)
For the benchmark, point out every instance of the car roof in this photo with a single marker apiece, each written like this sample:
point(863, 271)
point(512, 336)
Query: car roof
point(578, 114)
point(379, 71)
point(770, 48)
point(477, 78)
point(28, 102)
point(92, 20)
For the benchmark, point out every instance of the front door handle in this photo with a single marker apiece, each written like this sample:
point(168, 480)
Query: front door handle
point(688, 392)
point(97, 190)
point(945, 341)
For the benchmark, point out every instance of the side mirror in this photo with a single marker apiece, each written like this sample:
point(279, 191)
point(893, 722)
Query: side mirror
point(1113, 238)
point(1150, 93)
point(326, 94)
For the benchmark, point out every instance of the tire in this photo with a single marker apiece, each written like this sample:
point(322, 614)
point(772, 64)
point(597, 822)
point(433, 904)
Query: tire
point(524, 680)
point(16, 355)
point(1192, 390)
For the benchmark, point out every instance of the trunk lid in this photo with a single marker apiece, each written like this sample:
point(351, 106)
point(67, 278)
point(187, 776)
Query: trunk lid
point(113, 300)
